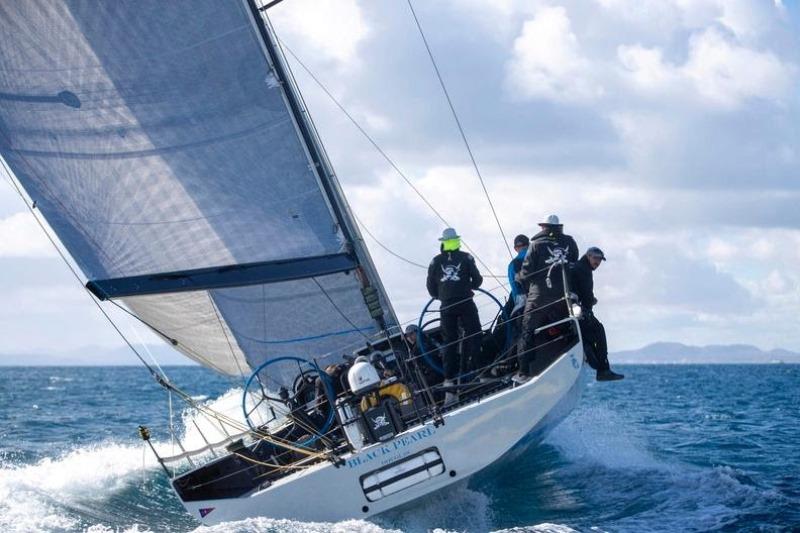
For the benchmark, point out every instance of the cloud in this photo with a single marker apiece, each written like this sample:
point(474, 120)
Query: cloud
point(548, 63)
point(727, 74)
point(748, 20)
point(718, 71)
point(20, 236)
point(329, 28)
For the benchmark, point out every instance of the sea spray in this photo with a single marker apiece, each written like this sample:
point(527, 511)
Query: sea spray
point(40, 496)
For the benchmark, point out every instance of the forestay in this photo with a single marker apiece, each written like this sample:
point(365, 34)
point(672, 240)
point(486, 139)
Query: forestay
point(164, 150)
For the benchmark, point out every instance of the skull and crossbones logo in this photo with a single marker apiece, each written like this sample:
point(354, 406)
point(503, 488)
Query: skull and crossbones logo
point(557, 255)
point(451, 272)
point(379, 422)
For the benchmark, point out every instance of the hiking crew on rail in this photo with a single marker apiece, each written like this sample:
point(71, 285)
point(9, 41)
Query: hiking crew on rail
point(452, 276)
point(542, 278)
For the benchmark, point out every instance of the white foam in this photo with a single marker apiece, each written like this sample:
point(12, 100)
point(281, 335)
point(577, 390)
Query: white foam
point(201, 428)
point(100, 528)
point(457, 508)
point(267, 525)
point(37, 497)
point(544, 527)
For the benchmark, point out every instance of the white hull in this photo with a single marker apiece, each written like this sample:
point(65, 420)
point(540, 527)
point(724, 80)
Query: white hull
point(472, 438)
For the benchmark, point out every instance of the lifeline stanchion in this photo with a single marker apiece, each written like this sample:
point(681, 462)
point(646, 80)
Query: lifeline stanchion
point(144, 433)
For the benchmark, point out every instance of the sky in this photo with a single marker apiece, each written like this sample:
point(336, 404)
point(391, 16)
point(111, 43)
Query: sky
point(663, 131)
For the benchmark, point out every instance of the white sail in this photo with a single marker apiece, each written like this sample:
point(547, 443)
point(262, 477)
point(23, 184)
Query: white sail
point(163, 144)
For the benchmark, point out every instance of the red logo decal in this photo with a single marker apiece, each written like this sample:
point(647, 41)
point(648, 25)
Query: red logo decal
point(204, 512)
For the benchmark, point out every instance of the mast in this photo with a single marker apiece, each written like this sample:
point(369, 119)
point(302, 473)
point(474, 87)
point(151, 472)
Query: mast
point(321, 163)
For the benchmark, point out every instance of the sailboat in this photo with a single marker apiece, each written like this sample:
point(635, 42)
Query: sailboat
point(167, 146)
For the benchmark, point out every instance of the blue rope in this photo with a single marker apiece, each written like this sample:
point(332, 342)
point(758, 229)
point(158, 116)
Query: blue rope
point(303, 339)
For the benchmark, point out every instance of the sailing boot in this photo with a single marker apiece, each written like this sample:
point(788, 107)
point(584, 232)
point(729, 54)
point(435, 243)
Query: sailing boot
point(608, 375)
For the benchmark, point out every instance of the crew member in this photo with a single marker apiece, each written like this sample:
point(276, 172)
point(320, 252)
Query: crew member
point(521, 243)
point(592, 331)
point(542, 273)
point(416, 341)
point(452, 276)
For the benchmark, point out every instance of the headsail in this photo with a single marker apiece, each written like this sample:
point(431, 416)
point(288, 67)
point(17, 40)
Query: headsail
point(165, 145)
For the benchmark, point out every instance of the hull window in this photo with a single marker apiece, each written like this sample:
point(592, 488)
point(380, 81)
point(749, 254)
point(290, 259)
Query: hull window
point(397, 476)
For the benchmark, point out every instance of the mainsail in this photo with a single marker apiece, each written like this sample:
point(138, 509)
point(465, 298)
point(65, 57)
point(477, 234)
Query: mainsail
point(167, 147)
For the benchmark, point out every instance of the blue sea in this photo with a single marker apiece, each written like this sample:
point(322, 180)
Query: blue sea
point(670, 448)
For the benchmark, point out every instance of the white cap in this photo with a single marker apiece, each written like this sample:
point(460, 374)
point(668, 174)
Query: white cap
point(552, 220)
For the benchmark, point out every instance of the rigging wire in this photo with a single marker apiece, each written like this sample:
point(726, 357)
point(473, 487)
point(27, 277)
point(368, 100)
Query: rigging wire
point(338, 310)
point(159, 375)
point(224, 332)
point(460, 128)
point(160, 378)
point(377, 147)
point(386, 248)
point(397, 255)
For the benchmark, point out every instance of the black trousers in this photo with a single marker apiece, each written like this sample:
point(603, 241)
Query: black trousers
point(539, 311)
point(464, 314)
point(595, 345)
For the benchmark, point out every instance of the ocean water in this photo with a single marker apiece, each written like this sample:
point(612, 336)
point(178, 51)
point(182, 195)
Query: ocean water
point(670, 448)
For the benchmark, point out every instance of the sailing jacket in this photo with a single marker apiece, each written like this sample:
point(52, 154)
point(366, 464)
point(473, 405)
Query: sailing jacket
point(513, 269)
point(546, 248)
point(452, 276)
point(581, 282)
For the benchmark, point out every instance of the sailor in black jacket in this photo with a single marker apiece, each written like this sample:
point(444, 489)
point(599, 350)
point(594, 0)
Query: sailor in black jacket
point(542, 275)
point(452, 276)
point(593, 333)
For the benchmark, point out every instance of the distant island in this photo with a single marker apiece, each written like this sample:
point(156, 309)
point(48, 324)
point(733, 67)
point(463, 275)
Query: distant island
point(660, 353)
point(98, 356)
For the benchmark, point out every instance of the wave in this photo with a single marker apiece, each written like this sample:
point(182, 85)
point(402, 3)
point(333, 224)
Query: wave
point(57, 493)
point(611, 463)
point(111, 487)
point(265, 525)
point(598, 470)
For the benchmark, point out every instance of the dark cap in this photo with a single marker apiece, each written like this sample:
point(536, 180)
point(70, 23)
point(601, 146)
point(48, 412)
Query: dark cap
point(521, 240)
point(412, 328)
point(597, 252)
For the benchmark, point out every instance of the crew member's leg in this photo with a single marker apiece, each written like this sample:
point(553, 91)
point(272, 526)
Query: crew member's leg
point(604, 372)
point(601, 345)
point(450, 349)
point(525, 343)
point(525, 346)
point(589, 336)
point(471, 323)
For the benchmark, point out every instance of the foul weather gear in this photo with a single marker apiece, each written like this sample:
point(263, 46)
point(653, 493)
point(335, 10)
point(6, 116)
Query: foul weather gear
point(452, 276)
point(541, 263)
point(465, 314)
point(581, 282)
point(513, 269)
point(549, 252)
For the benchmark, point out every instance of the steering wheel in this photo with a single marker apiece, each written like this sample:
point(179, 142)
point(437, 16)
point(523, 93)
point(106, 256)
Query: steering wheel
point(300, 385)
point(420, 338)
